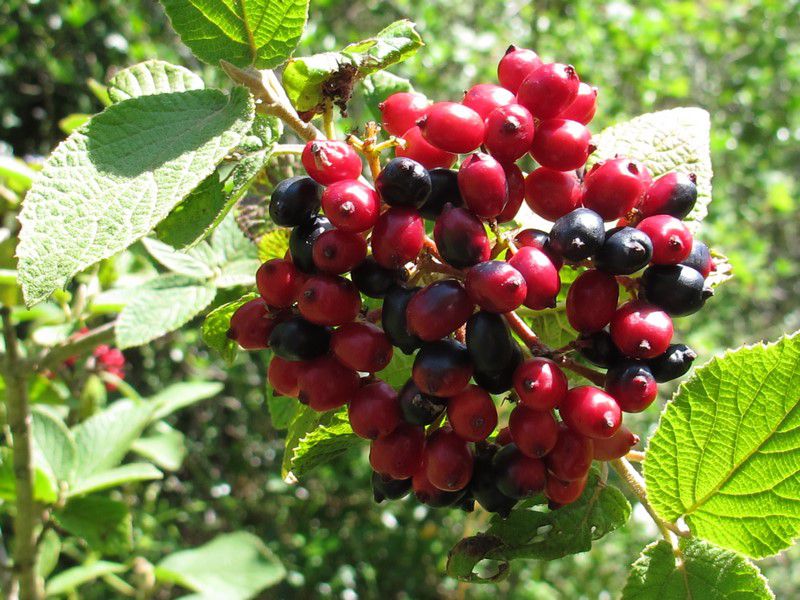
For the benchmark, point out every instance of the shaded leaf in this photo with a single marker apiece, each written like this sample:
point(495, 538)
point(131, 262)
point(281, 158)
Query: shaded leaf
point(152, 77)
point(68, 580)
point(104, 524)
point(165, 446)
point(216, 325)
point(332, 438)
point(114, 477)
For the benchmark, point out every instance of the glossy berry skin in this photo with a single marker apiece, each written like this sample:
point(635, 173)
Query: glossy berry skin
point(283, 376)
point(541, 277)
point(393, 319)
point(448, 460)
point(297, 339)
point(401, 111)
point(374, 410)
point(564, 492)
point(398, 454)
point(699, 259)
point(515, 67)
point(535, 432)
point(571, 457)
point(362, 346)
point(325, 384)
point(673, 194)
point(552, 194)
point(251, 325)
point(438, 309)
point(472, 414)
point(386, 488)
point(350, 205)
point(540, 384)
point(549, 90)
point(672, 240)
point(561, 144)
point(373, 280)
point(329, 300)
point(591, 412)
point(599, 349)
point(632, 385)
point(403, 182)
point(509, 132)
point(484, 98)
point(338, 251)
point(489, 342)
point(483, 185)
point(673, 363)
point(328, 161)
point(677, 289)
point(578, 235)
point(444, 190)
point(419, 408)
point(301, 242)
point(592, 301)
point(294, 201)
point(624, 251)
point(452, 127)
point(617, 446)
point(428, 155)
point(518, 476)
point(430, 495)
point(583, 107)
point(515, 182)
point(536, 238)
point(442, 368)
point(501, 380)
point(461, 238)
point(278, 281)
point(398, 237)
point(641, 330)
point(496, 286)
point(612, 188)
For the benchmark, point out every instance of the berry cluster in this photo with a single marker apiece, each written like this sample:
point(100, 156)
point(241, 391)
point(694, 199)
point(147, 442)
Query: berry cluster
point(435, 435)
point(104, 358)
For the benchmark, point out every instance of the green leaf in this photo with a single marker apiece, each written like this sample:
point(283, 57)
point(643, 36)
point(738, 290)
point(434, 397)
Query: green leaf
point(699, 570)
point(273, 244)
point(216, 325)
point(165, 446)
point(235, 566)
point(669, 140)
point(552, 326)
point(381, 85)
point(305, 421)
point(282, 409)
point(258, 33)
point(726, 454)
point(180, 395)
point(114, 477)
point(69, 580)
point(16, 172)
point(161, 305)
point(45, 488)
point(192, 263)
point(191, 221)
point(398, 371)
point(104, 524)
point(49, 551)
point(110, 182)
point(54, 446)
point(332, 438)
point(73, 122)
point(152, 77)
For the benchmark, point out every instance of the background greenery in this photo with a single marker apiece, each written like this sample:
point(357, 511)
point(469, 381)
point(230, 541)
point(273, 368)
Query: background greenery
point(738, 59)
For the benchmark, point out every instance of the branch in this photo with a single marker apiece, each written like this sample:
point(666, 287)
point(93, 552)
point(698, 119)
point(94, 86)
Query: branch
point(596, 377)
point(52, 358)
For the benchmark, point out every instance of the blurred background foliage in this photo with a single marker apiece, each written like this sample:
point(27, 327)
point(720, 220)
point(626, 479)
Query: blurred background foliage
point(738, 59)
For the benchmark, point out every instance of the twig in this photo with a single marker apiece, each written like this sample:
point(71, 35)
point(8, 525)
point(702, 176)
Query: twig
point(526, 334)
point(596, 377)
point(286, 149)
point(52, 358)
point(635, 456)
point(327, 121)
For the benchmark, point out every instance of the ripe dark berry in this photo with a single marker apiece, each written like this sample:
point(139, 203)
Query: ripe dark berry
point(297, 339)
point(571, 457)
point(398, 237)
point(549, 90)
point(419, 408)
point(452, 127)
point(617, 446)
point(673, 363)
point(496, 286)
point(404, 182)
point(489, 342)
point(509, 132)
point(398, 454)
point(591, 412)
point(448, 460)
point(351, 205)
point(678, 289)
point(472, 414)
point(386, 488)
point(301, 242)
point(599, 348)
point(699, 259)
point(444, 190)
point(393, 319)
point(329, 300)
point(373, 280)
point(279, 282)
point(428, 155)
point(515, 181)
point(484, 98)
point(518, 476)
point(541, 277)
point(641, 330)
point(536, 238)
point(294, 201)
point(483, 185)
point(442, 368)
point(328, 161)
point(374, 410)
point(502, 380)
point(325, 384)
point(535, 432)
point(401, 111)
point(624, 251)
point(592, 301)
point(672, 240)
point(461, 238)
point(438, 310)
point(561, 144)
point(632, 385)
point(337, 251)
point(578, 235)
point(430, 495)
point(673, 194)
point(515, 67)
point(564, 492)
point(612, 188)
point(540, 384)
point(283, 376)
point(552, 194)
point(362, 346)
point(583, 107)
point(483, 486)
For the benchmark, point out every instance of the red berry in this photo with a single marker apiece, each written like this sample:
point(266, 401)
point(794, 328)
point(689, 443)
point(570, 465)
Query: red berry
point(632, 385)
point(540, 384)
point(561, 144)
point(429, 494)
point(591, 412)
point(283, 376)
point(442, 368)
point(452, 127)
point(641, 330)
point(338, 251)
point(612, 188)
point(509, 132)
point(583, 107)
point(540, 276)
point(438, 310)
point(496, 286)
point(460, 237)
point(418, 149)
point(329, 300)
point(279, 282)
point(401, 111)
point(483, 185)
point(484, 98)
point(617, 446)
point(672, 194)
point(448, 460)
point(536, 238)
point(328, 161)
point(325, 384)
point(534, 431)
point(515, 67)
point(549, 90)
point(571, 457)
point(515, 179)
point(472, 413)
point(564, 492)
point(362, 346)
point(518, 476)
point(252, 324)
point(552, 194)
point(351, 205)
point(592, 301)
point(374, 410)
point(397, 237)
point(672, 240)
point(398, 454)
point(504, 437)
